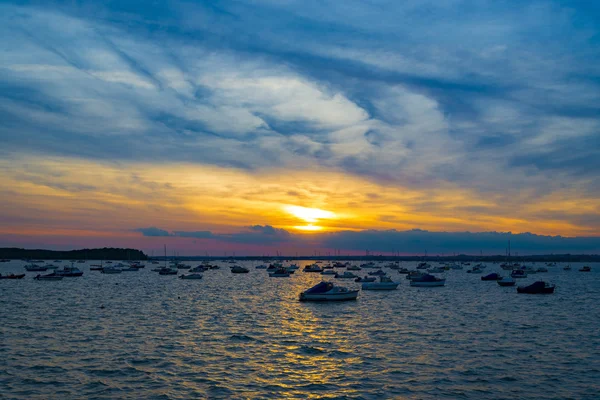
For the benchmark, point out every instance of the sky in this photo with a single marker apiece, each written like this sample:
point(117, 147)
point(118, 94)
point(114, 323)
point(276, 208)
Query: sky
point(301, 127)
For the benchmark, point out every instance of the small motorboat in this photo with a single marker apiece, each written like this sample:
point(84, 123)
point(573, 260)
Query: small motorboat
point(542, 269)
point(385, 283)
point(366, 279)
point(508, 281)
point(346, 275)
point(353, 268)
point(313, 268)
point(585, 269)
point(415, 275)
point(491, 277)
point(280, 272)
point(35, 267)
point(238, 269)
point(261, 266)
point(403, 271)
point(567, 268)
point(518, 273)
point(377, 273)
point(69, 272)
point(327, 291)
point(539, 287)
point(167, 271)
point(191, 276)
point(427, 281)
point(328, 272)
point(48, 277)
point(12, 276)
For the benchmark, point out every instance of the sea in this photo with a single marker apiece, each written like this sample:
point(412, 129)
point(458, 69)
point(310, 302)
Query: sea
point(140, 335)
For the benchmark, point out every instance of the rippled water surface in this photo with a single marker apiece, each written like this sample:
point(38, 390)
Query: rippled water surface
point(235, 336)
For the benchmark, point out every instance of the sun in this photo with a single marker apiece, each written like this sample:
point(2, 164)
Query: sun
point(310, 215)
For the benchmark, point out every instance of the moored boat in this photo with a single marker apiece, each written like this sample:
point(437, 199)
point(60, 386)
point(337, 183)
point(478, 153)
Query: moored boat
point(385, 283)
point(191, 276)
point(585, 269)
point(427, 281)
point(508, 281)
point(366, 279)
point(491, 277)
point(327, 291)
point(539, 287)
point(238, 269)
point(518, 273)
point(12, 276)
point(69, 272)
point(48, 277)
point(280, 272)
point(377, 273)
point(313, 268)
point(345, 275)
point(35, 267)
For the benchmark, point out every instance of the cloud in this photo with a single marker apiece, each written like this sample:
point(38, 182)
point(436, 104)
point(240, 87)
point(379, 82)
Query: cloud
point(153, 232)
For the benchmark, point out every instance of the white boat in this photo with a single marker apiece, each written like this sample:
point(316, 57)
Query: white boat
point(518, 273)
point(427, 281)
point(280, 273)
point(191, 276)
point(507, 281)
point(327, 291)
point(49, 277)
point(69, 271)
point(328, 272)
point(385, 283)
point(35, 267)
point(313, 268)
point(345, 275)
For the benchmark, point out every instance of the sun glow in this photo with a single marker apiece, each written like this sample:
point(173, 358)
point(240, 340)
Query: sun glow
point(310, 215)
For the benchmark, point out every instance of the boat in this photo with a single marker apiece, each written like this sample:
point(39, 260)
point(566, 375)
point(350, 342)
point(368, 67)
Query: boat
point(35, 267)
point(313, 268)
point(404, 271)
point(456, 266)
point(492, 277)
point(415, 275)
point(5, 260)
point(385, 283)
point(327, 291)
point(427, 281)
point(539, 287)
point(585, 269)
point(328, 272)
point(199, 268)
point(366, 279)
point(190, 276)
point(48, 277)
point(69, 272)
point(346, 275)
point(518, 273)
point(377, 273)
point(508, 281)
point(293, 267)
point(238, 269)
point(567, 268)
point(542, 269)
point(353, 268)
point(261, 266)
point(280, 272)
point(167, 271)
point(12, 276)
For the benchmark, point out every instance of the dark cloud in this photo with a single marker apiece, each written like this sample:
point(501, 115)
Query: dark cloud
point(255, 234)
point(152, 231)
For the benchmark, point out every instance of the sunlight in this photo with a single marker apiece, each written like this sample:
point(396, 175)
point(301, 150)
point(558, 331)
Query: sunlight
point(309, 227)
point(310, 215)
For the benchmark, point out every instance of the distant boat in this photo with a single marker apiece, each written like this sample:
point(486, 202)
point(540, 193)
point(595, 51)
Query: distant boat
point(48, 277)
point(111, 270)
point(12, 276)
point(377, 273)
point(518, 273)
point(491, 277)
point(345, 275)
point(539, 287)
point(35, 267)
point(69, 272)
point(366, 279)
point(508, 281)
point(238, 269)
point(327, 291)
point(427, 281)
point(191, 276)
point(567, 268)
point(328, 272)
point(313, 268)
point(280, 273)
point(385, 283)
point(585, 269)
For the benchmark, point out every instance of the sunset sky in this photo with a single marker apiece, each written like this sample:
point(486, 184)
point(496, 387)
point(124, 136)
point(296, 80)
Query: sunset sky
point(301, 126)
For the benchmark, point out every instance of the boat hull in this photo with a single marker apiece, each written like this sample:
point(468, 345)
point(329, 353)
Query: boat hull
point(350, 295)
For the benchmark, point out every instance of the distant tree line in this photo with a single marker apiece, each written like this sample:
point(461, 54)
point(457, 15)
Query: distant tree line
point(106, 253)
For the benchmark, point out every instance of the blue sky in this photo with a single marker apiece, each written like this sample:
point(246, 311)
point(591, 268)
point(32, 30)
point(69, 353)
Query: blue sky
point(500, 99)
